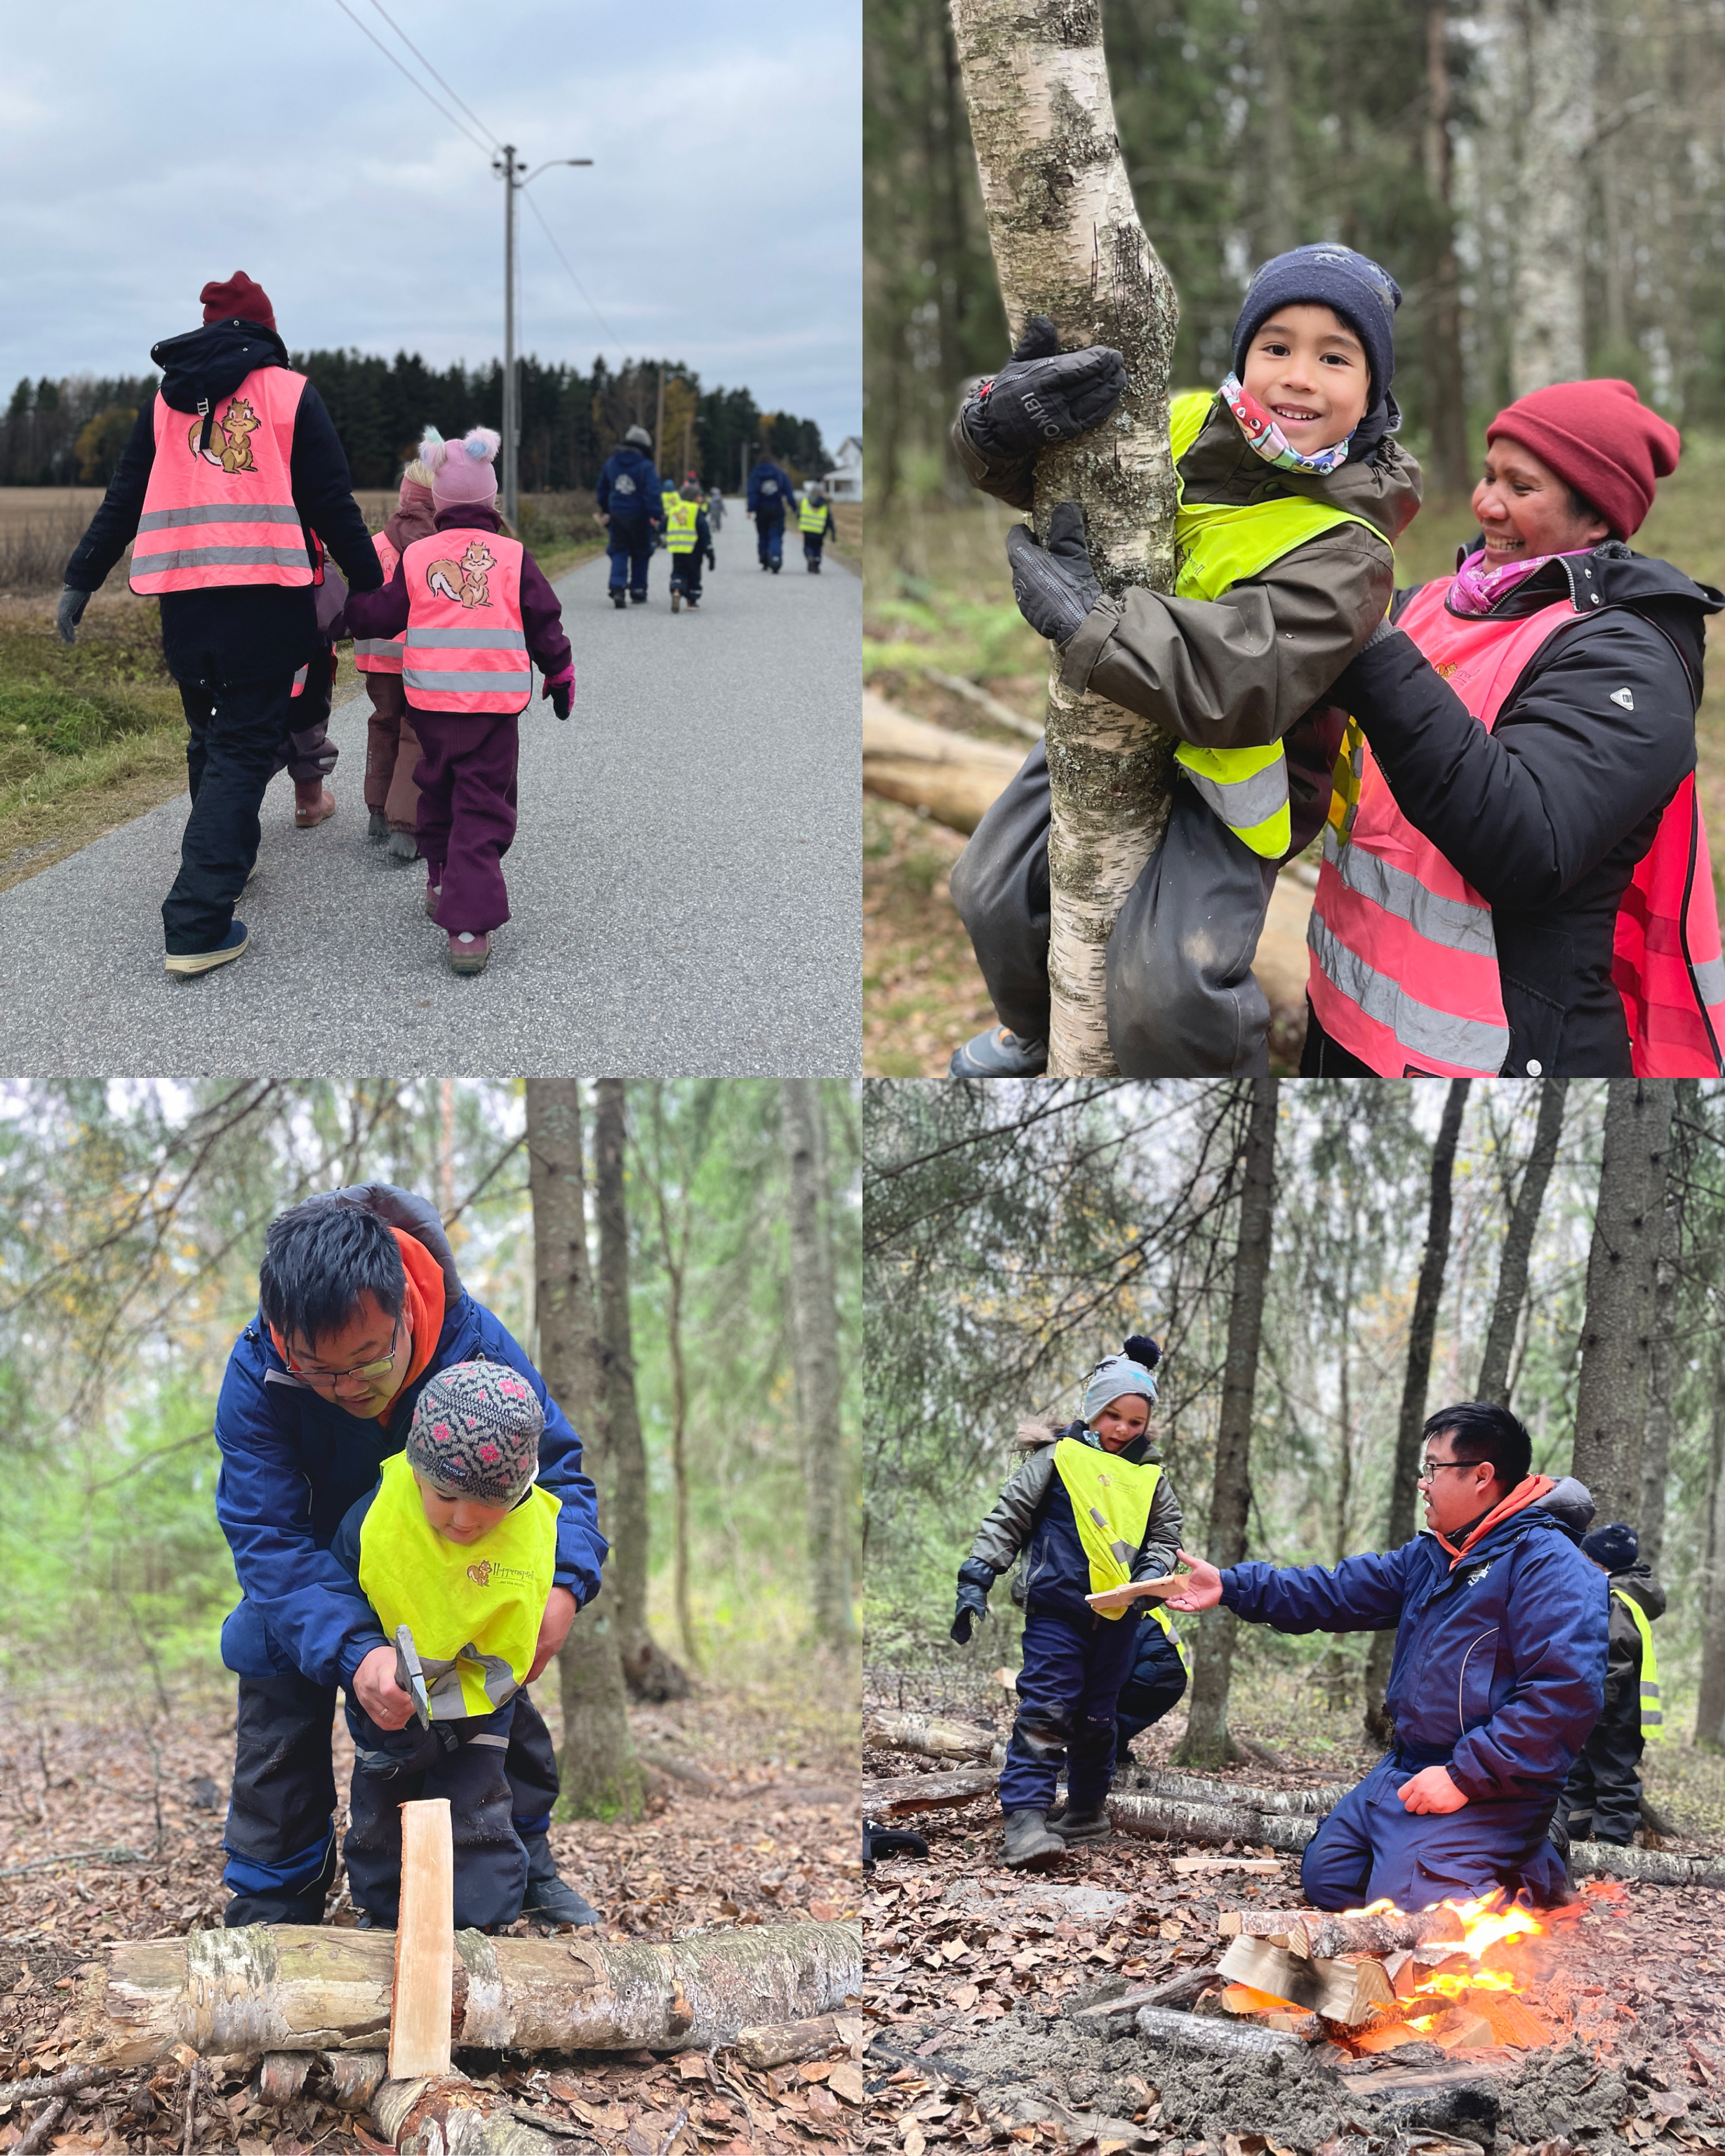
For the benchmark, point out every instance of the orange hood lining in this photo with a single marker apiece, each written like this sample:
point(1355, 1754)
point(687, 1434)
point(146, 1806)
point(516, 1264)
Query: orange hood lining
point(424, 1307)
point(1525, 1493)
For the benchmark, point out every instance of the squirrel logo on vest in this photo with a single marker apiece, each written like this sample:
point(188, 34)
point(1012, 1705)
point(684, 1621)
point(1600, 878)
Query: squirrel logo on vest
point(481, 1573)
point(464, 580)
point(230, 444)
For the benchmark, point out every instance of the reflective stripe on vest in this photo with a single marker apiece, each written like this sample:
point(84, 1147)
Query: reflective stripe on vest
point(812, 516)
point(1219, 546)
point(1110, 1502)
point(1158, 1615)
point(679, 517)
point(381, 655)
point(223, 513)
point(298, 687)
point(475, 1608)
point(1652, 1711)
point(465, 647)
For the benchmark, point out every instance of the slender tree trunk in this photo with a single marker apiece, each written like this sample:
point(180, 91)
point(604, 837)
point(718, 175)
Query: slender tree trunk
point(675, 1246)
point(1067, 243)
point(647, 1669)
point(1422, 1331)
point(1276, 69)
point(1207, 1742)
point(815, 1340)
point(1710, 1700)
point(1548, 341)
point(600, 1776)
point(1661, 1376)
point(1518, 1244)
point(1445, 397)
point(1617, 1330)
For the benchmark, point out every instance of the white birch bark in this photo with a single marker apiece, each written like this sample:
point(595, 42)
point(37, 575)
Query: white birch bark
point(1068, 243)
point(1548, 341)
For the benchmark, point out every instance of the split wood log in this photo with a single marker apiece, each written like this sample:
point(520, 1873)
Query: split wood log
point(1344, 1991)
point(955, 777)
point(901, 1794)
point(292, 1988)
point(281, 2076)
point(933, 1736)
point(1194, 2032)
point(1137, 1590)
point(1166, 1819)
point(1208, 1789)
point(783, 2043)
point(424, 1944)
point(1324, 1933)
point(1594, 1860)
point(447, 2115)
point(352, 2078)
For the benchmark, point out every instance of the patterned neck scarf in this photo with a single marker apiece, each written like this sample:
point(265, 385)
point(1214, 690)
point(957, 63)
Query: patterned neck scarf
point(1477, 589)
point(1267, 439)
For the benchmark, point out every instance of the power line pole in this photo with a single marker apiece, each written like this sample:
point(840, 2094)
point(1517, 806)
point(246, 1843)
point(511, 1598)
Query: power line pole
point(505, 163)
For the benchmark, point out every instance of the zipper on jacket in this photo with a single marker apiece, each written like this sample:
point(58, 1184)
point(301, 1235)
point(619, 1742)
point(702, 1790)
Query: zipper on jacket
point(1460, 1717)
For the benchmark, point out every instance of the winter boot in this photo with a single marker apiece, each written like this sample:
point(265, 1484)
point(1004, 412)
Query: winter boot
point(775, 566)
point(638, 599)
point(549, 1901)
point(468, 953)
point(619, 599)
point(1080, 1826)
point(313, 802)
point(376, 826)
point(999, 1053)
point(404, 846)
point(1028, 1841)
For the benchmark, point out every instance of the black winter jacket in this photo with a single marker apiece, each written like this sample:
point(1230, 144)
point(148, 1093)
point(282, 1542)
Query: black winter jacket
point(1547, 813)
point(235, 632)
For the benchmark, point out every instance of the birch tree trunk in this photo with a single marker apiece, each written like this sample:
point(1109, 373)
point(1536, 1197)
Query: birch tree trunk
point(1710, 1700)
point(1067, 243)
point(1518, 1244)
point(1662, 1378)
point(1207, 1742)
point(1446, 401)
point(1422, 1331)
point(647, 1669)
point(814, 1341)
point(1617, 1329)
point(1549, 340)
point(600, 1775)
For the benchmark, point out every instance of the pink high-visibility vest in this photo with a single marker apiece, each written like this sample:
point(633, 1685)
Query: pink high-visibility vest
point(380, 655)
point(466, 649)
point(221, 510)
point(1404, 955)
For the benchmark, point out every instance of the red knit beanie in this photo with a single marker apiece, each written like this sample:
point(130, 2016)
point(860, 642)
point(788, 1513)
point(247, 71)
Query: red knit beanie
point(1600, 439)
point(238, 296)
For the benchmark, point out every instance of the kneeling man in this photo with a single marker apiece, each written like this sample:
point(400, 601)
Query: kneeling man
point(1499, 1672)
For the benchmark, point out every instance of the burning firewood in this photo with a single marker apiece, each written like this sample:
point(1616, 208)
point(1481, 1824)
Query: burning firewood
point(1322, 1934)
point(1345, 1991)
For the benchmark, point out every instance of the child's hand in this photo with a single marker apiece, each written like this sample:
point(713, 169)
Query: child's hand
point(1204, 1590)
point(377, 1692)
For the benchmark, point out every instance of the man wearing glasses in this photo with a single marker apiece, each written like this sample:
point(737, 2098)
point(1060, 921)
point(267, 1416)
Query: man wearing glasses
point(1499, 1672)
point(360, 1305)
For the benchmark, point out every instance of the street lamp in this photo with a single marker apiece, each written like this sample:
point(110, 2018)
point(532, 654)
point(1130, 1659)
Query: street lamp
point(506, 165)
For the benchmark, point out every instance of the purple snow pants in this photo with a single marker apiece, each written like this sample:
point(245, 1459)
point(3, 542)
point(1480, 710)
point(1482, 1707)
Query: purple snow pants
point(466, 775)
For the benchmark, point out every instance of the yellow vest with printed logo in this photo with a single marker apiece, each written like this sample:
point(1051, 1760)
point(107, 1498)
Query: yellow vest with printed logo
point(475, 1608)
point(1220, 545)
point(811, 515)
point(1110, 1502)
point(1652, 1711)
point(679, 517)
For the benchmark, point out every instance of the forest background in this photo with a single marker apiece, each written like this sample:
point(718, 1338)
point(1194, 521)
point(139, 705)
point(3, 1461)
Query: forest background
point(1323, 1263)
point(128, 1250)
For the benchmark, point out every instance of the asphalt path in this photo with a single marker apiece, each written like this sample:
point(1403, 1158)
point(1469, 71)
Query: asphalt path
point(684, 884)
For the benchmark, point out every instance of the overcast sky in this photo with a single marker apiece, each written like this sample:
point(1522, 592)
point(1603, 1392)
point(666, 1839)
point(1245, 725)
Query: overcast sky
point(144, 150)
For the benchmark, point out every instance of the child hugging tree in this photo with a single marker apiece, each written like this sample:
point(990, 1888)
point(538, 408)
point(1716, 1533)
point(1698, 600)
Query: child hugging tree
point(1087, 1511)
point(456, 1542)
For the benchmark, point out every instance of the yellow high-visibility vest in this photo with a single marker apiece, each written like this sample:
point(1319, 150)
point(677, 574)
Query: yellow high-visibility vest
point(679, 517)
point(1158, 1615)
point(1652, 1712)
point(1110, 1502)
point(475, 1608)
point(1219, 546)
point(811, 515)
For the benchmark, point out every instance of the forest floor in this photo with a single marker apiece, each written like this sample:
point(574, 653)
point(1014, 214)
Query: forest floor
point(772, 1840)
point(978, 1975)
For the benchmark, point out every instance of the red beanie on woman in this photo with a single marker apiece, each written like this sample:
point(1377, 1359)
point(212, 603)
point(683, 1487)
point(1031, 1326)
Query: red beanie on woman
point(1600, 439)
point(238, 296)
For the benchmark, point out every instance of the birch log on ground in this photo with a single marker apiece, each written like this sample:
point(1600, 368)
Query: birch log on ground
point(1593, 1859)
point(447, 2115)
point(1202, 1789)
point(904, 1794)
point(932, 1736)
point(301, 1987)
point(1067, 243)
point(1166, 1819)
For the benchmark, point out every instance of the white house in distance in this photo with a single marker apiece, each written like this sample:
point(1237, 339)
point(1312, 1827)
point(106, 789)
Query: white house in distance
point(844, 479)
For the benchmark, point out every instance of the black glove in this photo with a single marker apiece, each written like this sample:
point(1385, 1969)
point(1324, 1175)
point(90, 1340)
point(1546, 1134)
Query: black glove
point(975, 1578)
point(70, 613)
point(1055, 585)
point(712, 559)
point(562, 695)
point(1143, 1351)
point(1043, 395)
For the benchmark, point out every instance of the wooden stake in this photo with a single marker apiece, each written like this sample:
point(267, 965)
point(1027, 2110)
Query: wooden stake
point(419, 2015)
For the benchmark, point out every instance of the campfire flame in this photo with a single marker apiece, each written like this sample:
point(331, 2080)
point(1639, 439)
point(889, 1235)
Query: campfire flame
point(1492, 1921)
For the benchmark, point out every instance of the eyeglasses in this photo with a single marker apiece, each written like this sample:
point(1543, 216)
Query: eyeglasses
point(358, 1370)
point(1429, 1470)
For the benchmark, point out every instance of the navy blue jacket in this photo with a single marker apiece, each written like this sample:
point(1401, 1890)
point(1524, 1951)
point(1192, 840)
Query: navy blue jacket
point(630, 485)
point(760, 502)
point(1500, 1661)
point(292, 1466)
point(233, 632)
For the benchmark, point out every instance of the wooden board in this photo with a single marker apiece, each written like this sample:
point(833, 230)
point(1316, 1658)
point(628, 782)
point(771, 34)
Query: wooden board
point(424, 1944)
point(1135, 1590)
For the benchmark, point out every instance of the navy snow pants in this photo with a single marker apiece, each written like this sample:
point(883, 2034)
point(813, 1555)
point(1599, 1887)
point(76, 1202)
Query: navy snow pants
point(1154, 1687)
point(769, 538)
point(1370, 1846)
point(1074, 1669)
point(629, 543)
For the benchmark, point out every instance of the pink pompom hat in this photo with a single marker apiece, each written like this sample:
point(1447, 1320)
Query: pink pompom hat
point(462, 473)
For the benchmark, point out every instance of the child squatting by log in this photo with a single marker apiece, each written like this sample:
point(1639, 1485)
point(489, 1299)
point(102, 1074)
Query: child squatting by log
point(1090, 1509)
point(457, 1543)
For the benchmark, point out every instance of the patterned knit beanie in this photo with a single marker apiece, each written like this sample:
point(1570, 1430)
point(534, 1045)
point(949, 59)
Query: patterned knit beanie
point(476, 1430)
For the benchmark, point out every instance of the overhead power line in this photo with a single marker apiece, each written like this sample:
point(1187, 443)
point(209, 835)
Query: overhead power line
point(418, 85)
point(570, 267)
point(432, 72)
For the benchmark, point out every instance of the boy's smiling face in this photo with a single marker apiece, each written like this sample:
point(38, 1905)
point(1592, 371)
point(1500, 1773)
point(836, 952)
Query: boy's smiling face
point(1309, 372)
point(458, 1519)
point(1122, 1421)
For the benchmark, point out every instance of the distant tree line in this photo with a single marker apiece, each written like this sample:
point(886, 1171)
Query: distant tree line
point(73, 431)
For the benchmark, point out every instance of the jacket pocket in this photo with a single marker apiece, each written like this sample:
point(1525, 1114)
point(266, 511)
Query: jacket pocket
point(1473, 1678)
